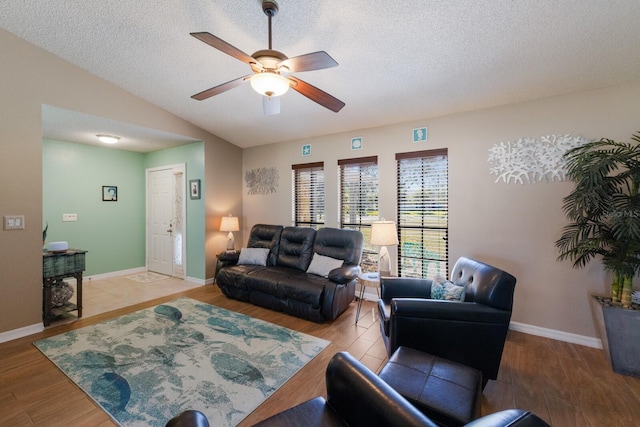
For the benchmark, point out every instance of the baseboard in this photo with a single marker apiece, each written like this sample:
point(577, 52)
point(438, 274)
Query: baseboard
point(21, 332)
point(556, 335)
point(198, 281)
point(112, 274)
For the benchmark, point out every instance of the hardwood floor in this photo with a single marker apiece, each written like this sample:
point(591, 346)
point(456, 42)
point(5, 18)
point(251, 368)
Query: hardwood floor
point(565, 384)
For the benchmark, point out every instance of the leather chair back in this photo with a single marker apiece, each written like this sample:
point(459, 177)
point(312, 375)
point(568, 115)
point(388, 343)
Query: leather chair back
point(266, 236)
point(484, 284)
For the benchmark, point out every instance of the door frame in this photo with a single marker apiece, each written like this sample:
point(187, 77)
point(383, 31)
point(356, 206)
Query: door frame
point(178, 167)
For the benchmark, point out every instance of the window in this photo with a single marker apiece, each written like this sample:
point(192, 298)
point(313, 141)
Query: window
point(423, 213)
point(358, 180)
point(308, 194)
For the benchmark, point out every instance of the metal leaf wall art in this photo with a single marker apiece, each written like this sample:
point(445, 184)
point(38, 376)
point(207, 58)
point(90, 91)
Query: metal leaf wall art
point(532, 160)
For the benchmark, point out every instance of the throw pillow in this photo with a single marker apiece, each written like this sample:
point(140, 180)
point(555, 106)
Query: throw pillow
point(322, 265)
point(253, 256)
point(446, 290)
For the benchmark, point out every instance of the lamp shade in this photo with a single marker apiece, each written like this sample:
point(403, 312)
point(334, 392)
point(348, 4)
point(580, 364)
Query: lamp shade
point(383, 233)
point(269, 84)
point(229, 223)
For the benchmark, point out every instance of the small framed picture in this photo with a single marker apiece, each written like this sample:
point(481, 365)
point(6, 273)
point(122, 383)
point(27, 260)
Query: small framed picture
point(356, 143)
point(420, 134)
point(194, 189)
point(306, 150)
point(109, 193)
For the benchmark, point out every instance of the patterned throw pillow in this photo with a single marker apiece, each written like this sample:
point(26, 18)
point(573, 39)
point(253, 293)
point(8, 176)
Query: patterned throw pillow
point(445, 289)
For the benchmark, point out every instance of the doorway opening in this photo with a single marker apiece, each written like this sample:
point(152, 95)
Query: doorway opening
point(165, 220)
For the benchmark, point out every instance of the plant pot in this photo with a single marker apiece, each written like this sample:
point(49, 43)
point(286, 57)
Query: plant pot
point(619, 330)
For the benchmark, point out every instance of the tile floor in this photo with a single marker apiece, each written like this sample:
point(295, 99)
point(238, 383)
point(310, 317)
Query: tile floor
point(101, 296)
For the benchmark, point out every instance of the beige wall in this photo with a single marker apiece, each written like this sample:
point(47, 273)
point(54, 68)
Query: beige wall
point(510, 225)
point(30, 77)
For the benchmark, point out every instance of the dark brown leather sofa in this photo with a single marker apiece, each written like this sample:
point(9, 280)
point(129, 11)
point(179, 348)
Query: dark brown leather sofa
point(472, 332)
point(283, 283)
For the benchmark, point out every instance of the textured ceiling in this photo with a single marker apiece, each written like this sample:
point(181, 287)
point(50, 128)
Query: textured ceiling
point(399, 60)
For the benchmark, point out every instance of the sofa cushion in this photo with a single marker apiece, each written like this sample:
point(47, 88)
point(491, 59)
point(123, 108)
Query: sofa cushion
point(296, 247)
point(322, 265)
point(253, 256)
point(266, 236)
point(339, 244)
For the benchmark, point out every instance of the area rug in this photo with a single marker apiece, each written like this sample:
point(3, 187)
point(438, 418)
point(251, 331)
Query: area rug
point(145, 367)
point(147, 277)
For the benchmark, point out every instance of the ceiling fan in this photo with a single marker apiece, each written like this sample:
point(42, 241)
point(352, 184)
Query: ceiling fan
point(271, 70)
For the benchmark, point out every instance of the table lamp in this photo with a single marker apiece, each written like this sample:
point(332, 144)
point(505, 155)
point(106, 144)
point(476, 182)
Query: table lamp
point(230, 224)
point(383, 234)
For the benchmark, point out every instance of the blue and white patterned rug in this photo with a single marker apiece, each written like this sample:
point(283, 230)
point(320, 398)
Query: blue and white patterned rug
point(145, 367)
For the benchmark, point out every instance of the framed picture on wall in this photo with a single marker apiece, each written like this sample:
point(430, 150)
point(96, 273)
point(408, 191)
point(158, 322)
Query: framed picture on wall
point(109, 193)
point(194, 189)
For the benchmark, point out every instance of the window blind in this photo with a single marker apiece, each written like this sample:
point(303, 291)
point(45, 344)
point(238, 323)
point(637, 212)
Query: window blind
point(423, 213)
point(358, 180)
point(308, 194)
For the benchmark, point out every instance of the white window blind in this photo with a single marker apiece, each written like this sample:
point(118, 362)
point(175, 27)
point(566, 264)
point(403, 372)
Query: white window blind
point(308, 194)
point(423, 213)
point(358, 180)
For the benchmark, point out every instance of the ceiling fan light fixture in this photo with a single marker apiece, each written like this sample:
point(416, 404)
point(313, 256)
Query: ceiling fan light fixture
point(108, 139)
point(269, 84)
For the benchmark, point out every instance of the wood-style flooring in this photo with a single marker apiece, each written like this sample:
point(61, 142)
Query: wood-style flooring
point(565, 384)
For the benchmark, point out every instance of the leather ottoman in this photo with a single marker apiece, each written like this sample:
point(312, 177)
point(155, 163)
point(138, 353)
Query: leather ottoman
point(447, 392)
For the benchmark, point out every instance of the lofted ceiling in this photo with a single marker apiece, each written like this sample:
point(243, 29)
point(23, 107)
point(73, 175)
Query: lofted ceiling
point(398, 60)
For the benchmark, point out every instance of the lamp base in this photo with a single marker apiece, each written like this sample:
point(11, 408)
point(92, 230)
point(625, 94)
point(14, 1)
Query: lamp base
point(384, 263)
point(230, 242)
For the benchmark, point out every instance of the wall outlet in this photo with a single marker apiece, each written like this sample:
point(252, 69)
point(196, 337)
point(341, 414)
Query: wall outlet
point(13, 222)
point(69, 217)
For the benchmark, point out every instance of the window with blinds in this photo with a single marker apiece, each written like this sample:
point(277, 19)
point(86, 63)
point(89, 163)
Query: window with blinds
point(358, 181)
point(423, 233)
point(308, 194)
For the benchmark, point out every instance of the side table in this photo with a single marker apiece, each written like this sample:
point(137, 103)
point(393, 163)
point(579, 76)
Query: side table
point(57, 266)
point(367, 279)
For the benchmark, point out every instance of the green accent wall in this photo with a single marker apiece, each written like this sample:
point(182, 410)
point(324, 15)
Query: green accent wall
point(114, 232)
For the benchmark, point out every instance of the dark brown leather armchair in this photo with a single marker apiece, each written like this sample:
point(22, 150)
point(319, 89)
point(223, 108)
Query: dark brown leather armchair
point(472, 332)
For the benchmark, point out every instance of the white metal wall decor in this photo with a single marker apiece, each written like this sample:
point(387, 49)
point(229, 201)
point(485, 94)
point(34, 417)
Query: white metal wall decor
point(531, 160)
point(262, 180)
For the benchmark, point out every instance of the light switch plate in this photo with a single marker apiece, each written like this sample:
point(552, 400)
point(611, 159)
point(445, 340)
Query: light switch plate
point(69, 217)
point(13, 222)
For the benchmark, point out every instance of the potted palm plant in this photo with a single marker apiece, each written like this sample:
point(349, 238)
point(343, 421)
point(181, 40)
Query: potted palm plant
point(604, 222)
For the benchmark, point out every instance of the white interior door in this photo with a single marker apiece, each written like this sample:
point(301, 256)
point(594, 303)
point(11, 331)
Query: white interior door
point(160, 220)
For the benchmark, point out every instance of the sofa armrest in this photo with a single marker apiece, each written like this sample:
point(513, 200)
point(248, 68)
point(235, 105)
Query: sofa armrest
point(405, 287)
point(229, 256)
point(344, 274)
point(444, 310)
point(362, 398)
point(225, 259)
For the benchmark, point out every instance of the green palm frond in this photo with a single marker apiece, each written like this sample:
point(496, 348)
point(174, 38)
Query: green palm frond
point(604, 207)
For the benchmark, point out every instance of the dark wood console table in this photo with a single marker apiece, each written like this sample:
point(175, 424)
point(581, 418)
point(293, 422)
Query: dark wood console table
point(57, 266)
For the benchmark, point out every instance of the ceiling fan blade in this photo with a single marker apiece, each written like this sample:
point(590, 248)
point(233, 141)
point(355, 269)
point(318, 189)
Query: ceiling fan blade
point(223, 46)
point(309, 62)
point(271, 105)
point(221, 88)
point(316, 95)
